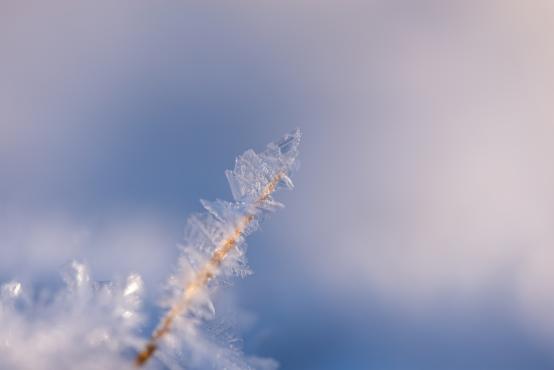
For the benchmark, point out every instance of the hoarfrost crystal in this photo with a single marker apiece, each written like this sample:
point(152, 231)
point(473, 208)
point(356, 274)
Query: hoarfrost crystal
point(86, 325)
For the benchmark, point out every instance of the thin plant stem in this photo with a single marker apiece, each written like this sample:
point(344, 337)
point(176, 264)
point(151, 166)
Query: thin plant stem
point(203, 276)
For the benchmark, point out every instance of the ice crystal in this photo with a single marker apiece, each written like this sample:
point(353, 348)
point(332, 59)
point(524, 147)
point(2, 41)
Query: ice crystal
point(86, 325)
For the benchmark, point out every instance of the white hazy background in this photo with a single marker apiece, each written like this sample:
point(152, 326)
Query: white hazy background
point(420, 232)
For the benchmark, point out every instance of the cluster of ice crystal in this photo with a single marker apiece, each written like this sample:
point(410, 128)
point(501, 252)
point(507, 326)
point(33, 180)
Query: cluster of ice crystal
point(86, 325)
point(207, 235)
point(93, 325)
point(252, 182)
point(255, 171)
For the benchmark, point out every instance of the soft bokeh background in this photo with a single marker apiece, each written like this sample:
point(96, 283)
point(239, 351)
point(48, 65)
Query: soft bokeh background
point(420, 234)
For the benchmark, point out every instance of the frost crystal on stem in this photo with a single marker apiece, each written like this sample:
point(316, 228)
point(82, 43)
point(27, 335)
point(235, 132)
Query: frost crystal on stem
point(214, 247)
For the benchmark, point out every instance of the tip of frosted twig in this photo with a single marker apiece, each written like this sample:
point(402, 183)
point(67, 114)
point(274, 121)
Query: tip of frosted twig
point(289, 142)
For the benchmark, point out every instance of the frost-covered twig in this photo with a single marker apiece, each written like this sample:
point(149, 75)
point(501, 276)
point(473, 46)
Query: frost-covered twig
point(214, 241)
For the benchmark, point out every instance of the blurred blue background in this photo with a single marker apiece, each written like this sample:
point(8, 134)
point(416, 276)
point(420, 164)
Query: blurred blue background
point(419, 235)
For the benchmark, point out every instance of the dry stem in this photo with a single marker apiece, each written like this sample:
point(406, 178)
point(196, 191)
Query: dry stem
point(201, 278)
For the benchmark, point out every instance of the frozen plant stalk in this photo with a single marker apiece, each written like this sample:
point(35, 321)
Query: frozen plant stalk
point(214, 246)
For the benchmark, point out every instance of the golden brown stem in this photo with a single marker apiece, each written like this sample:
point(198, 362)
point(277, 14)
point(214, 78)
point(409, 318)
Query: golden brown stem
point(201, 278)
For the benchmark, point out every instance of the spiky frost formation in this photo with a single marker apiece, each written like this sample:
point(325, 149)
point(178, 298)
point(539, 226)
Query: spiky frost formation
point(214, 250)
point(90, 325)
point(87, 325)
